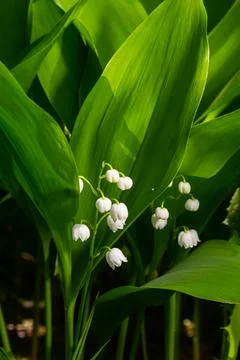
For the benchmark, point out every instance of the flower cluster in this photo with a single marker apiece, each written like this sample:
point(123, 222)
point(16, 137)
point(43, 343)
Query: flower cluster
point(187, 238)
point(160, 218)
point(115, 212)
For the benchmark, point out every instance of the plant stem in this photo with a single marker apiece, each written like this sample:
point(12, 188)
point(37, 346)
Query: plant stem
point(4, 334)
point(224, 347)
point(48, 311)
point(172, 318)
point(36, 306)
point(122, 340)
point(196, 320)
point(144, 342)
point(135, 338)
point(69, 321)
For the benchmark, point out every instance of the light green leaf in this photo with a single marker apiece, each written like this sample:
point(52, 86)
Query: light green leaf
point(26, 70)
point(210, 272)
point(60, 71)
point(230, 92)
point(139, 114)
point(211, 144)
point(37, 160)
point(225, 55)
point(102, 32)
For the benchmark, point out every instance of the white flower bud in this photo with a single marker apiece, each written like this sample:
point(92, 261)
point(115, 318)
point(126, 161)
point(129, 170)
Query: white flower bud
point(188, 238)
point(103, 204)
point(125, 183)
point(80, 231)
point(119, 212)
point(162, 213)
point(192, 205)
point(112, 176)
point(157, 223)
point(184, 187)
point(81, 184)
point(115, 257)
point(170, 184)
point(114, 225)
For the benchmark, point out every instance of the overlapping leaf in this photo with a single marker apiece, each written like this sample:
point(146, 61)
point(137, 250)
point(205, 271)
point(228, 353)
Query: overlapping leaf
point(139, 114)
point(211, 144)
point(225, 55)
point(36, 159)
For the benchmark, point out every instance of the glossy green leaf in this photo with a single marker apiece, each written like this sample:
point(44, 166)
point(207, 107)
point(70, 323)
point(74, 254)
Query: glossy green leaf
point(27, 69)
point(143, 105)
point(128, 300)
point(37, 159)
point(211, 144)
point(224, 55)
point(103, 32)
point(60, 71)
point(210, 272)
point(230, 92)
point(13, 41)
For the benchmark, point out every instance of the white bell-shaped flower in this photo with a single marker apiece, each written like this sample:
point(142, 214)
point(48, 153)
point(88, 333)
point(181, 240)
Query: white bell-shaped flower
point(80, 231)
point(114, 225)
point(112, 176)
point(192, 204)
point(188, 238)
point(119, 212)
point(158, 223)
point(125, 183)
point(103, 204)
point(184, 187)
point(81, 184)
point(115, 257)
point(162, 213)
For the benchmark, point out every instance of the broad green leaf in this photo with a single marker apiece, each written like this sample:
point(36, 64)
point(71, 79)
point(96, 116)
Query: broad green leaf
point(27, 69)
point(139, 114)
point(127, 300)
point(224, 55)
point(60, 71)
point(37, 159)
point(210, 272)
point(211, 144)
point(13, 24)
point(230, 92)
point(103, 32)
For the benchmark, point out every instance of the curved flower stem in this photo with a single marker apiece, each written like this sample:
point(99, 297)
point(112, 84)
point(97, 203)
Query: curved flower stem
point(90, 185)
point(4, 334)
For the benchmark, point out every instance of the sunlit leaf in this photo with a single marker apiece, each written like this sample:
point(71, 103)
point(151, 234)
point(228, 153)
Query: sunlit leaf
point(211, 144)
point(139, 114)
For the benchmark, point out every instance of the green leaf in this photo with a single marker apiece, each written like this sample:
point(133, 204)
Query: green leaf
point(211, 144)
point(210, 272)
point(37, 160)
point(128, 300)
point(4, 355)
point(102, 32)
point(225, 55)
point(27, 69)
point(143, 106)
point(60, 71)
point(230, 92)
point(12, 35)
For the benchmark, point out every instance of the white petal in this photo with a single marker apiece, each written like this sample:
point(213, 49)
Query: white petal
point(184, 187)
point(112, 176)
point(125, 183)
